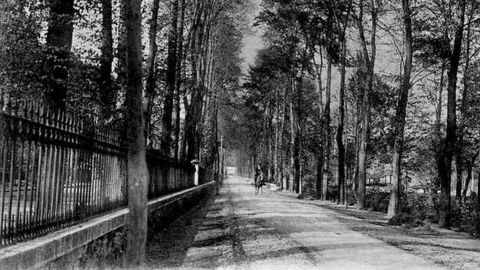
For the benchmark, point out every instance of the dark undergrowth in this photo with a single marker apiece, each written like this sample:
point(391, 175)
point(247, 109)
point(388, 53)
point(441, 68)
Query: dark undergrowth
point(418, 209)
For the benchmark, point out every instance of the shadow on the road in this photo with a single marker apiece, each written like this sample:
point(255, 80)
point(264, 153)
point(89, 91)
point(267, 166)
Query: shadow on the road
point(240, 228)
point(169, 247)
point(374, 224)
point(212, 241)
point(208, 262)
point(416, 243)
point(211, 262)
point(444, 247)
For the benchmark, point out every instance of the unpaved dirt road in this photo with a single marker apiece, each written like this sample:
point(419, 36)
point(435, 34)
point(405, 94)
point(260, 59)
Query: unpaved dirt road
point(277, 231)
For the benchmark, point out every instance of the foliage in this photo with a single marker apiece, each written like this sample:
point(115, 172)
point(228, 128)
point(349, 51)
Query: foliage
point(382, 102)
point(465, 216)
point(420, 206)
point(22, 56)
point(376, 200)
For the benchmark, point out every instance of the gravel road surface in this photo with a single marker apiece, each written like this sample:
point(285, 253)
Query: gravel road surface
point(239, 230)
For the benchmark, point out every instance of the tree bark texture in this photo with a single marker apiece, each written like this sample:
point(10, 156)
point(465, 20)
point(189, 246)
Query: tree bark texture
point(167, 115)
point(328, 130)
point(320, 155)
point(341, 111)
point(340, 128)
point(107, 94)
point(401, 112)
point(59, 43)
point(445, 170)
point(179, 80)
point(121, 49)
point(365, 103)
point(151, 66)
point(137, 173)
point(459, 156)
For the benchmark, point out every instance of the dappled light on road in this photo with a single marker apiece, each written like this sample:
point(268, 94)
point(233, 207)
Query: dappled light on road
point(277, 231)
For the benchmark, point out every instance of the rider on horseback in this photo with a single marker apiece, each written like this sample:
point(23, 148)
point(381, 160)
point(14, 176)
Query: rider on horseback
point(259, 180)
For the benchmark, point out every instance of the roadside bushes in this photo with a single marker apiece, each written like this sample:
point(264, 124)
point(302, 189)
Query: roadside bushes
point(422, 206)
point(376, 200)
point(418, 209)
point(417, 206)
point(414, 205)
point(425, 207)
point(465, 216)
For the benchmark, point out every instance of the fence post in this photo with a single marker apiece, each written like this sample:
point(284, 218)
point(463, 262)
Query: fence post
point(196, 176)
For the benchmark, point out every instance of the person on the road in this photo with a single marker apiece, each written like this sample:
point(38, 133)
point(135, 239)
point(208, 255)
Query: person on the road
point(259, 181)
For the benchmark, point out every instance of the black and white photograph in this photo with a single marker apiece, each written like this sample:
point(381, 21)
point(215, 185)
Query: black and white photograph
point(240, 134)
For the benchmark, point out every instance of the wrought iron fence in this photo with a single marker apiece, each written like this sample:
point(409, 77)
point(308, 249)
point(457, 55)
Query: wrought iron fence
point(57, 169)
point(207, 174)
point(166, 175)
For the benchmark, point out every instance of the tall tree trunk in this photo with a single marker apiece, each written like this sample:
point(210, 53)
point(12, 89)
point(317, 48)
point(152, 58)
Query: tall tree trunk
point(438, 120)
point(276, 144)
point(468, 180)
point(370, 65)
point(107, 95)
point(340, 128)
point(179, 80)
point(202, 83)
point(445, 170)
point(328, 130)
point(170, 82)
point(463, 111)
point(281, 166)
point(438, 114)
point(137, 173)
point(293, 139)
point(362, 165)
point(59, 42)
point(298, 138)
point(470, 165)
point(265, 142)
point(341, 111)
point(477, 208)
point(357, 119)
point(401, 113)
point(188, 148)
point(270, 162)
point(320, 155)
point(151, 66)
point(347, 159)
point(319, 179)
point(121, 50)
point(183, 99)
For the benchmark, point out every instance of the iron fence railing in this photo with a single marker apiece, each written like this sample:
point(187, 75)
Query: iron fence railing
point(207, 174)
point(57, 169)
point(166, 175)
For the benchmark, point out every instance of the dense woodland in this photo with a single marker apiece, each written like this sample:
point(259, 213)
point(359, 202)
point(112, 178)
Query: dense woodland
point(345, 92)
point(349, 95)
